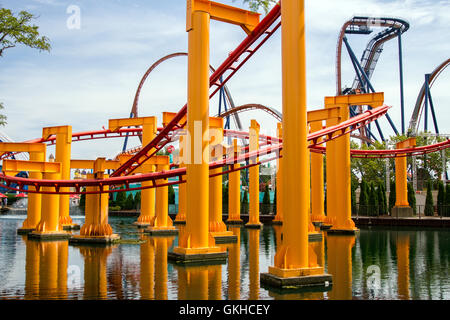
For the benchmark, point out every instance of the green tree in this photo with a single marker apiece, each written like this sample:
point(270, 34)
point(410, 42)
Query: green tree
point(120, 199)
point(266, 200)
point(171, 195)
point(15, 30)
point(353, 197)
point(440, 198)
point(382, 203)
point(137, 200)
point(373, 200)
point(392, 196)
point(275, 201)
point(363, 198)
point(82, 202)
point(254, 5)
point(447, 200)
point(429, 206)
point(129, 202)
point(412, 198)
point(225, 193)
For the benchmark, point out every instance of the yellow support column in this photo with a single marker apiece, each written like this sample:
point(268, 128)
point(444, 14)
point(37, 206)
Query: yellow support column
point(95, 277)
point(317, 187)
point(339, 189)
point(161, 268)
point(197, 244)
point(49, 227)
point(234, 190)
point(402, 208)
point(234, 266)
point(63, 152)
point(37, 153)
point(253, 221)
point(149, 130)
point(31, 269)
point(147, 269)
point(96, 228)
point(162, 225)
point(292, 267)
point(182, 200)
point(217, 227)
point(279, 216)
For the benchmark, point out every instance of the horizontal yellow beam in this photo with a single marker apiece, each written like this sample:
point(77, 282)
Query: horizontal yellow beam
point(12, 167)
point(323, 114)
point(22, 147)
point(49, 131)
point(214, 122)
point(247, 20)
point(370, 99)
point(408, 143)
point(116, 124)
point(90, 164)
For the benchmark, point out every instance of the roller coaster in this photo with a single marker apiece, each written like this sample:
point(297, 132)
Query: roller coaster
point(123, 175)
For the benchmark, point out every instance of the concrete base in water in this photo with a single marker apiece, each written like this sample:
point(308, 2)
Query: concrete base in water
point(342, 232)
point(141, 224)
point(325, 226)
point(71, 227)
point(293, 283)
point(234, 222)
point(317, 224)
point(179, 222)
point(161, 232)
point(253, 225)
point(198, 259)
point(316, 236)
point(402, 212)
point(94, 240)
point(225, 239)
point(22, 231)
point(49, 236)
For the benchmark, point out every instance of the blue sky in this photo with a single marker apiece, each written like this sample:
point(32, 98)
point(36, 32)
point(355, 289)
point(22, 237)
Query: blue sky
point(91, 73)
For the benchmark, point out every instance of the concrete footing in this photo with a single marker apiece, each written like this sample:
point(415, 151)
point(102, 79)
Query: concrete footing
point(237, 222)
point(293, 283)
point(161, 232)
point(402, 212)
point(22, 231)
point(325, 226)
point(49, 236)
point(179, 222)
point(342, 232)
point(141, 224)
point(316, 236)
point(317, 223)
point(77, 239)
point(198, 259)
point(225, 239)
point(253, 225)
point(71, 227)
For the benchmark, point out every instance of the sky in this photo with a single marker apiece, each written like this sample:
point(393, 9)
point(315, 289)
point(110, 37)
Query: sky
point(92, 72)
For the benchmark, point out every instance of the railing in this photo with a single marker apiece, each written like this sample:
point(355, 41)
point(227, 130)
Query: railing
point(373, 212)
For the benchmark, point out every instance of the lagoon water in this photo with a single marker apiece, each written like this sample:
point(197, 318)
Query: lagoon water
point(379, 263)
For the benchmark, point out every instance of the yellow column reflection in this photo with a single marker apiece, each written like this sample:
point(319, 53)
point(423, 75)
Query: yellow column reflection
point(340, 266)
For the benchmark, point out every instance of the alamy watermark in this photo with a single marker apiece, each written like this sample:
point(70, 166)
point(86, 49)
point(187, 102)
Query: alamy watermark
point(74, 20)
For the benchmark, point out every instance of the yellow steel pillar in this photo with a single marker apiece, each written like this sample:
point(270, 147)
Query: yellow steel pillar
point(234, 189)
point(402, 208)
point(196, 239)
point(162, 224)
point(37, 153)
point(217, 227)
point(279, 216)
point(253, 221)
point(96, 228)
point(95, 277)
point(182, 200)
point(339, 189)
point(149, 130)
point(63, 152)
point(317, 187)
point(292, 267)
point(253, 239)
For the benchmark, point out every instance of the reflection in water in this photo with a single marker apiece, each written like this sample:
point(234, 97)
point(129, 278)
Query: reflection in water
point(409, 264)
point(46, 269)
point(234, 265)
point(339, 253)
point(403, 265)
point(253, 235)
point(95, 283)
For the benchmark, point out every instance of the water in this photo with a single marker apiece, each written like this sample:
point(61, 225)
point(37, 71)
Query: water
point(377, 264)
